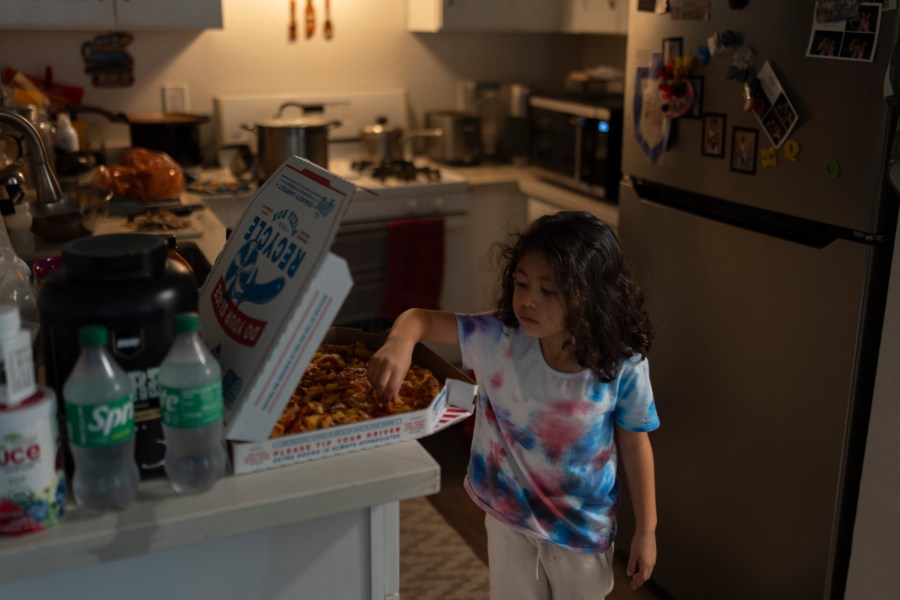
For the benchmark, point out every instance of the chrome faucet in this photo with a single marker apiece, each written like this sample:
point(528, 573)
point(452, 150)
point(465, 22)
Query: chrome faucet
point(46, 186)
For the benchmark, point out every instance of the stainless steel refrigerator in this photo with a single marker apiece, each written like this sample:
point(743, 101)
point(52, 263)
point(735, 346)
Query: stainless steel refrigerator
point(767, 291)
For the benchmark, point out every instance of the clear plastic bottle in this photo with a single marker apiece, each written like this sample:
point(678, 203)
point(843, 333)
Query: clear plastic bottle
point(190, 382)
point(99, 404)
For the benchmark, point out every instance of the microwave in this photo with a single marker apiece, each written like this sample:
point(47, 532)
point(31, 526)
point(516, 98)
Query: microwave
point(577, 143)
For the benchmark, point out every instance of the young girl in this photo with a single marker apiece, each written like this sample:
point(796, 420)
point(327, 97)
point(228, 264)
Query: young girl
point(561, 369)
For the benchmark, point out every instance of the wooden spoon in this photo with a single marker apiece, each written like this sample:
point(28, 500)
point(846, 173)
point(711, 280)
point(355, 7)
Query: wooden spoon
point(310, 19)
point(329, 28)
point(292, 27)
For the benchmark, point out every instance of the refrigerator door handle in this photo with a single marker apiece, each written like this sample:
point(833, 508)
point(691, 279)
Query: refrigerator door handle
point(787, 227)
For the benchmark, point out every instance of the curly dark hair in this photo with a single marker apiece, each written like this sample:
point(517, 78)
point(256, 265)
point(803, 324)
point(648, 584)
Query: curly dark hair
point(605, 314)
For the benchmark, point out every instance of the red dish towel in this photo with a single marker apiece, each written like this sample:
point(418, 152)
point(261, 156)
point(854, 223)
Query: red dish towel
point(415, 266)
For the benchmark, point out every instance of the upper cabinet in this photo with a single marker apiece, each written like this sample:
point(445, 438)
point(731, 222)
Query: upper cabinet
point(132, 15)
point(595, 16)
point(482, 15)
point(551, 16)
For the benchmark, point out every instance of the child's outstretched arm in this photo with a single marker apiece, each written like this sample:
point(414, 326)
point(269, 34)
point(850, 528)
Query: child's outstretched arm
point(637, 458)
point(388, 366)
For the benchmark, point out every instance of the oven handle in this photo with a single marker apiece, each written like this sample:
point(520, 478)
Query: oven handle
point(376, 225)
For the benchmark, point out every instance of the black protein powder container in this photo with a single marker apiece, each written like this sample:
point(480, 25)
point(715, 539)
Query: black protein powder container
point(127, 283)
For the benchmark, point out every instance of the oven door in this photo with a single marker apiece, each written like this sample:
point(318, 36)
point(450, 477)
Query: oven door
point(365, 248)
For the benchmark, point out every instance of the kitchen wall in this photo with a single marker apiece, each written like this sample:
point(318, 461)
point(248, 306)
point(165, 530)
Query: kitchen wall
point(371, 50)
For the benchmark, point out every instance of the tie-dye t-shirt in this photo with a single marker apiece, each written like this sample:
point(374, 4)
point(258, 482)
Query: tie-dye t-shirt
point(543, 457)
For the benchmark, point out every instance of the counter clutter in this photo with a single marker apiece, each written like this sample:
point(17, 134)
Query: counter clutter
point(338, 505)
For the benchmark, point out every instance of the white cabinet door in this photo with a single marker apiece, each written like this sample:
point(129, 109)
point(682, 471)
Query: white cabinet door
point(57, 14)
point(109, 14)
point(596, 16)
point(169, 14)
point(495, 212)
point(483, 15)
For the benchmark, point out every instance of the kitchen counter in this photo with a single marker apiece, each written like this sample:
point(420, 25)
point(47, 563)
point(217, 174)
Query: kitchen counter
point(489, 176)
point(329, 506)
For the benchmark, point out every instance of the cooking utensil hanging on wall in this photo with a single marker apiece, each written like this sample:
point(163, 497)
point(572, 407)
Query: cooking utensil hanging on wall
point(328, 31)
point(310, 19)
point(292, 25)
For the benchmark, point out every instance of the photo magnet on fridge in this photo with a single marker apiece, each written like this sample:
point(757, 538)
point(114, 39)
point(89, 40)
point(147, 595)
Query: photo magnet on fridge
point(772, 108)
point(713, 135)
point(744, 143)
point(851, 39)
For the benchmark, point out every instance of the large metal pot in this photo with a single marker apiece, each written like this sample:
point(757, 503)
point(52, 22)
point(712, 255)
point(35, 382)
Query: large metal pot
point(280, 137)
point(178, 135)
point(383, 143)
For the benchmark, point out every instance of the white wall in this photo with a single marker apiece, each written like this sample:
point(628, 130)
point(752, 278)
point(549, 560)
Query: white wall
point(371, 50)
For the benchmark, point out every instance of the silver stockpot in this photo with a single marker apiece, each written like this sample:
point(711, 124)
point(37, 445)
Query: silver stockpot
point(280, 137)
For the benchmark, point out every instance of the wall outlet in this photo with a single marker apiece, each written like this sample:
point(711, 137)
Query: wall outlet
point(175, 98)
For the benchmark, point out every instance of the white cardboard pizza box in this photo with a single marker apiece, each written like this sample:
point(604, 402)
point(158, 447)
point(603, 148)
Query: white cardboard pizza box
point(452, 404)
point(273, 292)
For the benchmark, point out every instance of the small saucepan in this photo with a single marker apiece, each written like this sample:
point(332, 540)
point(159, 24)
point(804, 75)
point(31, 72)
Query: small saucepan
point(278, 138)
point(383, 142)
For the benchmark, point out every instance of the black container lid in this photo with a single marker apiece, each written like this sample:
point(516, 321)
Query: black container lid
point(116, 257)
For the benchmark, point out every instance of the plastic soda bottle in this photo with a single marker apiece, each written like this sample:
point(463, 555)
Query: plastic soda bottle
point(190, 382)
point(99, 405)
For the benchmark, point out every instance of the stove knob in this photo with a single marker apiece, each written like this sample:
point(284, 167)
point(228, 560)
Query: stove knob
point(412, 206)
point(439, 204)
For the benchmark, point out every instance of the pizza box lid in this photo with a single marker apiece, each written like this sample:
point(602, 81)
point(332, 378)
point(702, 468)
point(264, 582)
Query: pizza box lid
point(273, 292)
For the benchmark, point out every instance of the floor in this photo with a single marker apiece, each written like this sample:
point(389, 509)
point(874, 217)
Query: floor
point(450, 449)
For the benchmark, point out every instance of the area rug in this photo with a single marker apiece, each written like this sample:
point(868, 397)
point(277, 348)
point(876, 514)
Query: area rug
point(435, 562)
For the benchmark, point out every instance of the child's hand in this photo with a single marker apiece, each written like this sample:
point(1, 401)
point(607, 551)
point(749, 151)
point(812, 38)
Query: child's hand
point(642, 558)
point(388, 367)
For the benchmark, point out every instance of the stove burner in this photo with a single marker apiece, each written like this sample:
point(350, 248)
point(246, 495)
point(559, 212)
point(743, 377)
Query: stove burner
point(403, 170)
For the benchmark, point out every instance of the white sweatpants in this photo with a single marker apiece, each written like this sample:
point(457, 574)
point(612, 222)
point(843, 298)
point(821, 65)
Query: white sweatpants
point(524, 568)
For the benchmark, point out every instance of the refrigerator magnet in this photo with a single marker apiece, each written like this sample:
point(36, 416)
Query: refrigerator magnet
point(850, 39)
point(651, 127)
point(713, 135)
point(772, 108)
point(743, 150)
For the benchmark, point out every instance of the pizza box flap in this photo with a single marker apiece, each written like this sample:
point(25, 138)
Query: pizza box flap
point(268, 295)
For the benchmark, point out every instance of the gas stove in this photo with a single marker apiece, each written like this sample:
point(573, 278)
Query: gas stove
point(396, 190)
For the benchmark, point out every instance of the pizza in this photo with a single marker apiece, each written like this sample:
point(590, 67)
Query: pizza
point(334, 390)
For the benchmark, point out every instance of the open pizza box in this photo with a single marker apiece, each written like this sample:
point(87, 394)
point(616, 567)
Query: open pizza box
point(267, 305)
point(453, 403)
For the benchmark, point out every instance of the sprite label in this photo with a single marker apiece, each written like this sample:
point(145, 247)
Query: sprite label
point(97, 425)
point(187, 408)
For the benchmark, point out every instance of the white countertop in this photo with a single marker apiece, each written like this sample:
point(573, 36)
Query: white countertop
point(488, 174)
point(160, 519)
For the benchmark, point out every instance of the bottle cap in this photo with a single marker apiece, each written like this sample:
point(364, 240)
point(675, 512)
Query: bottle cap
point(93, 336)
point(10, 322)
point(188, 322)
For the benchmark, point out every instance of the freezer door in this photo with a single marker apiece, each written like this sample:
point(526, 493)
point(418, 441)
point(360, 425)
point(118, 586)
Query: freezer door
point(842, 116)
point(753, 368)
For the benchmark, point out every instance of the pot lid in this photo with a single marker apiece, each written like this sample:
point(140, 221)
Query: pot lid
point(380, 127)
point(167, 119)
point(306, 121)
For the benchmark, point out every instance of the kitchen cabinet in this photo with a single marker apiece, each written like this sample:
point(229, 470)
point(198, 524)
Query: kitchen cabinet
point(482, 15)
point(129, 15)
point(495, 212)
point(542, 197)
point(322, 529)
point(568, 16)
point(595, 16)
